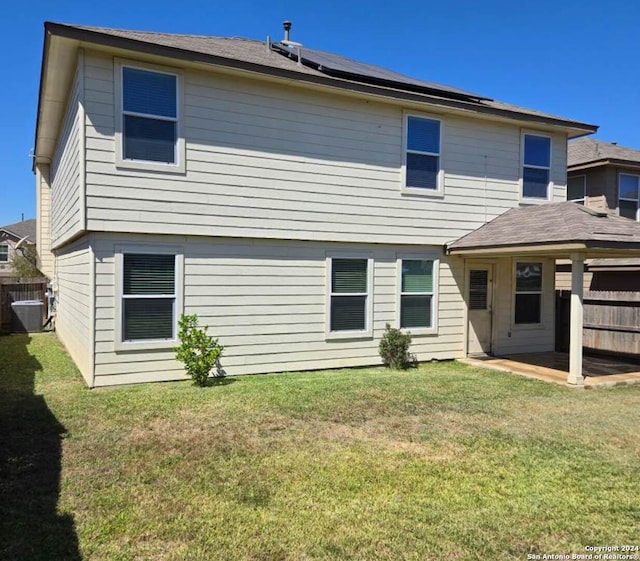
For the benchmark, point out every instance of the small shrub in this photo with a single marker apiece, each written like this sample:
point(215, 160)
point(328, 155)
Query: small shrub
point(198, 351)
point(394, 348)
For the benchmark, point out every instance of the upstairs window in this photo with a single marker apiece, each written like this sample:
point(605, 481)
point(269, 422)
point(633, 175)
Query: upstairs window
point(4, 253)
point(536, 167)
point(528, 308)
point(576, 189)
point(422, 155)
point(628, 188)
point(149, 116)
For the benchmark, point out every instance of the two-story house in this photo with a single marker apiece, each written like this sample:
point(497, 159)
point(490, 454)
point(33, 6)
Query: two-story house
point(604, 176)
point(297, 201)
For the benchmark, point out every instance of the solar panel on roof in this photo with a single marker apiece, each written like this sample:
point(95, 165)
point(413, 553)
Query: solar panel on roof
point(340, 66)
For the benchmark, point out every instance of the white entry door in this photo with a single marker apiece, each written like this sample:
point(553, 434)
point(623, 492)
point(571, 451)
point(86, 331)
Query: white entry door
point(480, 300)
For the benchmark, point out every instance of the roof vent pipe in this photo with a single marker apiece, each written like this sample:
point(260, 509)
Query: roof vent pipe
point(287, 28)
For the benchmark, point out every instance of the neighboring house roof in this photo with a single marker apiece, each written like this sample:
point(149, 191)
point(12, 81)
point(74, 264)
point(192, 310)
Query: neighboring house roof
point(591, 151)
point(275, 59)
point(552, 224)
point(19, 230)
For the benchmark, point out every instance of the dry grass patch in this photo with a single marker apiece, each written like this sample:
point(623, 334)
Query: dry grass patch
point(442, 462)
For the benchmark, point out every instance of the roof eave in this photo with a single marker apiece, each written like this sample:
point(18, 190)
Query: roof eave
point(519, 248)
point(45, 52)
point(593, 247)
point(604, 162)
point(9, 233)
point(59, 62)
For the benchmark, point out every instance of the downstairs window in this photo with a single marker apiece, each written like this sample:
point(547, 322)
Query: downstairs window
point(528, 301)
point(350, 295)
point(148, 297)
point(417, 293)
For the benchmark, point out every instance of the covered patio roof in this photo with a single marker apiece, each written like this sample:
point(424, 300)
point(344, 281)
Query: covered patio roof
point(557, 230)
point(553, 229)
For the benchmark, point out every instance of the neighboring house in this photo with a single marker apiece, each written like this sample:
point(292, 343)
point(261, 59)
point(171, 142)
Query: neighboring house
point(604, 176)
point(295, 200)
point(10, 235)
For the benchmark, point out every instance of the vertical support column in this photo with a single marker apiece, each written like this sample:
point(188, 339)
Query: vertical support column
point(577, 319)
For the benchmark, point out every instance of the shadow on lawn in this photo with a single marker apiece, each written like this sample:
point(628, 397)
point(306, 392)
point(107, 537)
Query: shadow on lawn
point(219, 381)
point(30, 464)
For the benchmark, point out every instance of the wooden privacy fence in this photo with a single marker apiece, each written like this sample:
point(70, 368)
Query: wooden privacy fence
point(611, 321)
point(14, 290)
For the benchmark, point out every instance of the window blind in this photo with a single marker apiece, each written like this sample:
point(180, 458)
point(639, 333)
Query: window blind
point(149, 274)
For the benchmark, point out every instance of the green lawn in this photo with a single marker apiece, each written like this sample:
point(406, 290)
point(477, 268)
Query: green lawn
point(442, 462)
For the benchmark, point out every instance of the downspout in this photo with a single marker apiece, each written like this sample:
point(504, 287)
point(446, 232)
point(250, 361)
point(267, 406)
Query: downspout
point(82, 141)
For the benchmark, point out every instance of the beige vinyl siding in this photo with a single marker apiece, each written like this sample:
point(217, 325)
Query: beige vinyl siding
point(559, 167)
point(266, 301)
point(43, 221)
point(280, 162)
point(67, 200)
point(6, 267)
point(73, 292)
point(563, 275)
point(511, 338)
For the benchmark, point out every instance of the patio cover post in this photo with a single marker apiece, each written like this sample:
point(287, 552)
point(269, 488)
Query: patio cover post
point(575, 340)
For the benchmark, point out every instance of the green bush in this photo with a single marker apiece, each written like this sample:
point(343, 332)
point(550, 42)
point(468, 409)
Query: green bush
point(198, 351)
point(394, 348)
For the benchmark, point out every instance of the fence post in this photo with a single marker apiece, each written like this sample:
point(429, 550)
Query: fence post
point(3, 293)
point(43, 299)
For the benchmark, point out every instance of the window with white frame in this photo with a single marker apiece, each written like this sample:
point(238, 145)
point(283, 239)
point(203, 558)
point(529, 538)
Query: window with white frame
point(148, 297)
point(4, 253)
point(628, 189)
point(422, 154)
point(536, 168)
point(350, 294)
point(417, 290)
point(528, 300)
point(576, 189)
point(149, 102)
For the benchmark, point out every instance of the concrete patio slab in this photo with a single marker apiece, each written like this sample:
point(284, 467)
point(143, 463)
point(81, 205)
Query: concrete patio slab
point(599, 371)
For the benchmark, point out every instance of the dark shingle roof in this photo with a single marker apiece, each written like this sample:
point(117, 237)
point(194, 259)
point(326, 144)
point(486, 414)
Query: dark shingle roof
point(553, 223)
point(587, 150)
point(232, 48)
point(22, 229)
point(257, 53)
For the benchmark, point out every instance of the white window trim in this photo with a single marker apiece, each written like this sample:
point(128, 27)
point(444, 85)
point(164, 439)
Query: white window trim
point(637, 201)
point(358, 334)
point(7, 253)
point(550, 184)
point(584, 189)
point(119, 252)
point(527, 326)
point(421, 191)
point(433, 330)
point(180, 165)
